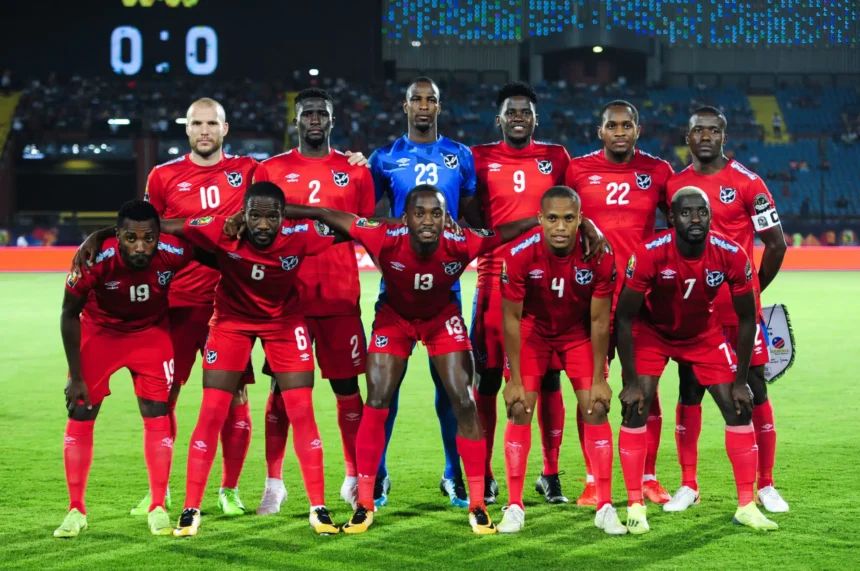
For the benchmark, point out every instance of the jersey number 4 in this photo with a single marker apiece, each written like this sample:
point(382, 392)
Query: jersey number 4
point(617, 193)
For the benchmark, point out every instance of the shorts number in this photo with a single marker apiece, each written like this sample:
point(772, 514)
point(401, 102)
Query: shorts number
point(314, 186)
point(757, 333)
point(690, 283)
point(454, 326)
point(558, 285)
point(727, 351)
point(519, 181)
point(168, 371)
point(210, 197)
point(354, 342)
point(258, 271)
point(622, 190)
point(139, 293)
point(301, 340)
point(423, 281)
point(426, 174)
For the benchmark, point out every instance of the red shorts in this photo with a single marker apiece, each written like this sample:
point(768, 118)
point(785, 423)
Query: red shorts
point(760, 354)
point(147, 354)
point(287, 349)
point(711, 355)
point(445, 333)
point(572, 352)
point(340, 346)
point(189, 327)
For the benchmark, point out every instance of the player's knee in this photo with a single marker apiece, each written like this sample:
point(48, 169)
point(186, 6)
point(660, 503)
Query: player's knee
point(82, 413)
point(463, 403)
point(152, 409)
point(490, 382)
point(551, 382)
point(240, 397)
point(276, 388)
point(690, 392)
point(344, 387)
point(598, 414)
point(519, 414)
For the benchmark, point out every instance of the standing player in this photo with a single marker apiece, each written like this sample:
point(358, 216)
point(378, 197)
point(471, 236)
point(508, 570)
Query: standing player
point(550, 301)
point(423, 157)
point(743, 207)
point(621, 188)
point(257, 297)
point(115, 316)
point(420, 262)
point(672, 283)
point(315, 175)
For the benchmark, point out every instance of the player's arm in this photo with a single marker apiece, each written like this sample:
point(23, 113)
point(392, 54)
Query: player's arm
point(469, 207)
point(774, 252)
point(596, 244)
point(337, 220)
point(174, 227)
point(85, 257)
point(470, 212)
point(512, 315)
point(600, 391)
point(511, 230)
point(762, 211)
point(629, 303)
point(745, 308)
point(70, 329)
point(206, 258)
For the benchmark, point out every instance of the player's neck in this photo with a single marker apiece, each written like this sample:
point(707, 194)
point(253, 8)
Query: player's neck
point(710, 167)
point(209, 161)
point(423, 249)
point(422, 138)
point(518, 145)
point(619, 159)
point(688, 250)
point(313, 152)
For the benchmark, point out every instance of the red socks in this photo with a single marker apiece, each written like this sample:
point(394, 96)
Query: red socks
point(235, 440)
point(765, 436)
point(653, 427)
point(474, 456)
point(306, 441)
point(550, 413)
point(518, 443)
point(632, 443)
point(158, 452)
point(348, 420)
point(688, 427)
point(204, 444)
point(743, 454)
point(580, 429)
point(78, 457)
point(369, 445)
point(598, 446)
point(171, 417)
point(277, 427)
point(488, 409)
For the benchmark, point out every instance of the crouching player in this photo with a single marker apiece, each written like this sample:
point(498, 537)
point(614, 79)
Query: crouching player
point(677, 275)
point(554, 304)
point(115, 316)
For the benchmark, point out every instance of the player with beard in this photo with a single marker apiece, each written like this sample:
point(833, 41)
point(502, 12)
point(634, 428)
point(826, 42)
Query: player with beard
point(313, 174)
point(743, 208)
point(666, 311)
point(621, 188)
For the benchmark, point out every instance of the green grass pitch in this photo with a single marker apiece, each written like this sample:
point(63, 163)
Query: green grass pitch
point(818, 460)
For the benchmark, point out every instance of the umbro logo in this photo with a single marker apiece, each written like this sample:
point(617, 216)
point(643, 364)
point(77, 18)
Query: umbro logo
point(69, 440)
point(305, 356)
point(292, 177)
point(404, 161)
point(200, 445)
point(112, 285)
point(767, 428)
point(494, 167)
point(353, 416)
point(271, 418)
point(397, 266)
point(594, 179)
point(668, 274)
point(242, 425)
point(184, 186)
point(680, 428)
point(234, 255)
point(601, 443)
point(536, 274)
point(316, 443)
point(167, 442)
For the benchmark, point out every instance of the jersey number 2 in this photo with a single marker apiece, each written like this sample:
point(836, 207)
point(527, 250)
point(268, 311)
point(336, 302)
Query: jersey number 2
point(314, 187)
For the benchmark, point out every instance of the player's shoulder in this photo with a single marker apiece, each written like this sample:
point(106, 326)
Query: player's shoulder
point(738, 170)
point(279, 159)
point(647, 160)
point(340, 161)
point(486, 149)
point(552, 149)
point(587, 160)
point(526, 247)
point(659, 242)
point(173, 164)
point(293, 227)
point(108, 253)
point(723, 244)
point(171, 245)
point(240, 161)
point(373, 225)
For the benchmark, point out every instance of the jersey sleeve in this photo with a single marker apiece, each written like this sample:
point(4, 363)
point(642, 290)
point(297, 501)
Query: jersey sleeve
point(366, 199)
point(204, 232)
point(570, 175)
point(740, 273)
point(640, 270)
point(369, 234)
point(155, 193)
point(319, 238)
point(183, 253)
point(261, 173)
point(467, 172)
point(760, 205)
point(666, 173)
point(381, 182)
point(604, 277)
point(80, 285)
point(480, 241)
point(512, 279)
point(564, 163)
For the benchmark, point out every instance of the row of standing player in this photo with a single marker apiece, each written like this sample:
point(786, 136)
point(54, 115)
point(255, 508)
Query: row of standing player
point(517, 118)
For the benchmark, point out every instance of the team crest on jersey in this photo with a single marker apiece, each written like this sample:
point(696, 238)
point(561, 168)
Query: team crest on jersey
point(714, 279)
point(545, 167)
point(451, 161)
point(748, 271)
point(761, 203)
point(340, 178)
point(164, 277)
point(184, 186)
point(727, 195)
point(289, 263)
point(583, 277)
point(482, 232)
point(234, 179)
point(643, 181)
point(381, 341)
point(323, 229)
point(211, 356)
point(451, 268)
point(72, 280)
point(365, 223)
point(202, 221)
point(631, 266)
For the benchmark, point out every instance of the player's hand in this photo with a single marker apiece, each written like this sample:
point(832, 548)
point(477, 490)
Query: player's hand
point(742, 397)
point(515, 393)
point(356, 159)
point(76, 390)
point(632, 399)
point(601, 392)
point(452, 226)
point(595, 242)
point(86, 254)
point(234, 226)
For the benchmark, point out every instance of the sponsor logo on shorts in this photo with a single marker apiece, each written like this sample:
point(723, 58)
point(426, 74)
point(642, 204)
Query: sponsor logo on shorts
point(340, 178)
point(544, 167)
point(381, 341)
point(727, 195)
point(451, 161)
point(184, 186)
point(583, 277)
point(305, 357)
point(109, 253)
point(668, 274)
point(292, 177)
point(643, 181)
point(365, 223)
point(289, 262)
point(164, 277)
point(714, 279)
point(452, 268)
point(211, 356)
point(202, 221)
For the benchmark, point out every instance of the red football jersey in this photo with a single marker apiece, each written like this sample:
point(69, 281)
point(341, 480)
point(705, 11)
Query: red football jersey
point(181, 189)
point(329, 282)
point(258, 288)
point(510, 184)
point(741, 205)
point(621, 199)
point(556, 292)
point(125, 299)
point(417, 287)
point(680, 292)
